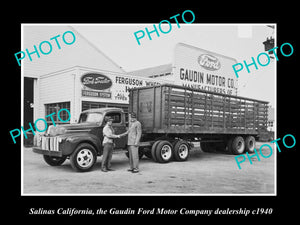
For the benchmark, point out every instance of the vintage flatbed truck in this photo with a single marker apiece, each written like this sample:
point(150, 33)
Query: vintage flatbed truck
point(173, 118)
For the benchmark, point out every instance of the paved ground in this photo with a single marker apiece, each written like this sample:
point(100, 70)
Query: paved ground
point(203, 173)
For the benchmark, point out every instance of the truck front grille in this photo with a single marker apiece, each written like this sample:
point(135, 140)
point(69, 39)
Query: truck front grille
point(50, 143)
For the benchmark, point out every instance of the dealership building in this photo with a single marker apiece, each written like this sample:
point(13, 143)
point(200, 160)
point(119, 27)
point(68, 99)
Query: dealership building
point(80, 76)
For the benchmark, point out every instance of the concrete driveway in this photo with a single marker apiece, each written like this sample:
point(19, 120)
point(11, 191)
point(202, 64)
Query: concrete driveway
point(203, 173)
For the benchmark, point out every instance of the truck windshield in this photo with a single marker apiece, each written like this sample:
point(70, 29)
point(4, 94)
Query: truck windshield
point(91, 117)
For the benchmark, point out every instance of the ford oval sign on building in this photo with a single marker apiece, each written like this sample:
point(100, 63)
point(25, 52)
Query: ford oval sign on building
point(96, 81)
point(209, 62)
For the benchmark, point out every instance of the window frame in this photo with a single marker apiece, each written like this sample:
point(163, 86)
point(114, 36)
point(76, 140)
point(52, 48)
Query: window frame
point(55, 107)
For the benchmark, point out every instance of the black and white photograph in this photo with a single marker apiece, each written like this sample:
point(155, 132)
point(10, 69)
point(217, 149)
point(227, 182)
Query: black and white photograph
point(145, 109)
point(132, 112)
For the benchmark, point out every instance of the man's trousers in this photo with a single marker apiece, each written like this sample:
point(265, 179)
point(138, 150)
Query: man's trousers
point(133, 156)
point(107, 155)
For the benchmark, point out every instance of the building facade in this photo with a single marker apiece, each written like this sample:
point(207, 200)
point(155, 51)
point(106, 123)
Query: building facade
point(80, 88)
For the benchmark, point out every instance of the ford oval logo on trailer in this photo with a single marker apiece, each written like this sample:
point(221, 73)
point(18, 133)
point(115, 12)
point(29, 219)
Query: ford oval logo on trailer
point(209, 62)
point(96, 81)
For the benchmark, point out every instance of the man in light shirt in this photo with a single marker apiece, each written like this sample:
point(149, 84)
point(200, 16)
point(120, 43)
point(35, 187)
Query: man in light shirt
point(108, 144)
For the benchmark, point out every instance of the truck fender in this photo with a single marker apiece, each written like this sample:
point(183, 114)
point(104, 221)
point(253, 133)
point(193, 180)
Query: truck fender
point(76, 140)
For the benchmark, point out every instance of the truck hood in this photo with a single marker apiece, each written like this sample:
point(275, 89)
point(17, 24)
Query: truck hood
point(71, 128)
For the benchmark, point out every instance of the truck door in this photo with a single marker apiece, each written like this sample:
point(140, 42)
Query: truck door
point(119, 127)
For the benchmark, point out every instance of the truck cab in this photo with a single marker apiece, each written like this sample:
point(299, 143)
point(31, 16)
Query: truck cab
point(80, 142)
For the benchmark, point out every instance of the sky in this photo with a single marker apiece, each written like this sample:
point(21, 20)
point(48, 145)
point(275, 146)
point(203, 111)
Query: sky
point(239, 41)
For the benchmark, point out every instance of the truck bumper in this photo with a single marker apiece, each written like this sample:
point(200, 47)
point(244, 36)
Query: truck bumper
point(47, 152)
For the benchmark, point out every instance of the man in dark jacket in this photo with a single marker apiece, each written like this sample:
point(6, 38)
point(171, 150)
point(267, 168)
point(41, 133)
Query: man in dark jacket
point(134, 136)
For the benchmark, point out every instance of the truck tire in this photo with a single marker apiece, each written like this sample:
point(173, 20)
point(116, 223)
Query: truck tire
point(181, 150)
point(164, 151)
point(237, 145)
point(250, 144)
point(54, 161)
point(153, 151)
point(83, 158)
point(228, 146)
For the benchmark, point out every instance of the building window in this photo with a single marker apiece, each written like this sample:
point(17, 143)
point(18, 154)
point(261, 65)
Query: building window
point(54, 108)
point(92, 105)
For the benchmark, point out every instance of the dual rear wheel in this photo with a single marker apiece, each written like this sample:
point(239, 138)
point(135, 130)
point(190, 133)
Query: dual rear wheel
point(238, 145)
point(163, 151)
point(235, 145)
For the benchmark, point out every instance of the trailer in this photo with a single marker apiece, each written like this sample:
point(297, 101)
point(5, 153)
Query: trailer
point(174, 117)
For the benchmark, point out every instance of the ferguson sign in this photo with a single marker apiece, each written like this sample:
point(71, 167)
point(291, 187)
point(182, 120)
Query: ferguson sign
point(204, 70)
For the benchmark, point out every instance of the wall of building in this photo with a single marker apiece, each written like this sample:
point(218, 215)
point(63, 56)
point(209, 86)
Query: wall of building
point(54, 88)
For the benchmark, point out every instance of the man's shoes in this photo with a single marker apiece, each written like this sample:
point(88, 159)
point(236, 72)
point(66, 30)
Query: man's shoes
point(135, 171)
point(109, 169)
point(104, 170)
point(130, 170)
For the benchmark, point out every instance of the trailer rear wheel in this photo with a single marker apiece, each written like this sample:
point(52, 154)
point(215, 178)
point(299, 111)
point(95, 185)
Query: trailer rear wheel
point(250, 144)
point(163, 152)
point(238, 145)
point(181, 150)
point(228, 146)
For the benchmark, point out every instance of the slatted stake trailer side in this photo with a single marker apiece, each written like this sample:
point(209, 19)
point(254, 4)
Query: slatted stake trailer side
point(173, 117)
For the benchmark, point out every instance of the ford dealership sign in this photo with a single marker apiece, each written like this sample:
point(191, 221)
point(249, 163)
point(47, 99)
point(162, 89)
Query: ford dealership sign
point(96, 81)
point(209, 62)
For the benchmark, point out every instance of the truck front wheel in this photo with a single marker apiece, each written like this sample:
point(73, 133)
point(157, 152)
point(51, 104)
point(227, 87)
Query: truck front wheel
point(54, 161)
point(83, 158)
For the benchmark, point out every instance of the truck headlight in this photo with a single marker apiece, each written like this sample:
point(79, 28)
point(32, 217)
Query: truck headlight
point(60, 139)
point(54, 131)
